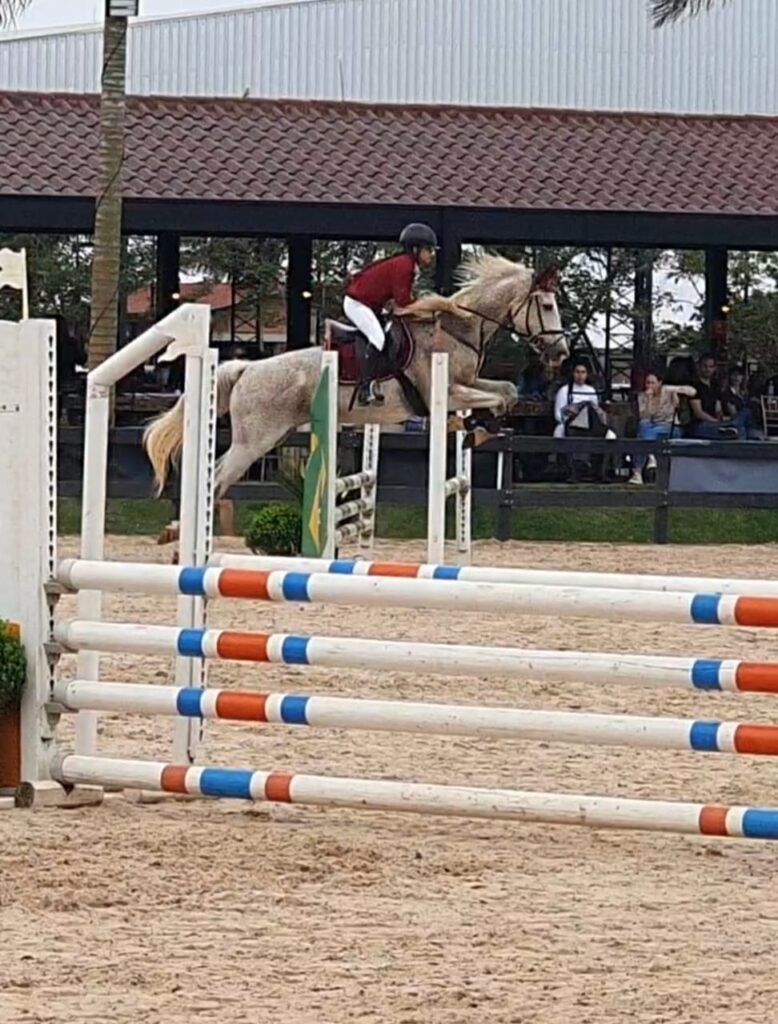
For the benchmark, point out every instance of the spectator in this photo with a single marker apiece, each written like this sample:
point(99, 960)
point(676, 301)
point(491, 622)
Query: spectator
point(577, 408)
point(657, 416)
point(734, 398)
point(708, 422)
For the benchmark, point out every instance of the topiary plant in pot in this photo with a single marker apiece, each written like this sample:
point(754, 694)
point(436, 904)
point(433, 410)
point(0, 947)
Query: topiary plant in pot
point(276, 528)
point(13, 675)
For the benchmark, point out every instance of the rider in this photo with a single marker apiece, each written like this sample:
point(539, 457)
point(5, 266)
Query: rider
point(370, 289)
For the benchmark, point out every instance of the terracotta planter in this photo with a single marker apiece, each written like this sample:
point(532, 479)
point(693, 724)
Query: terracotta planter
point(10, 749)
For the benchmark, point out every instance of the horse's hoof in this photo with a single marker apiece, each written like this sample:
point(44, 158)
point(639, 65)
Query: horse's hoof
point(169, 534)
point(475, 438)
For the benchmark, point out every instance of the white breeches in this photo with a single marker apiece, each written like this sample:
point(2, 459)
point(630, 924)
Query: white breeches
point(364, 318)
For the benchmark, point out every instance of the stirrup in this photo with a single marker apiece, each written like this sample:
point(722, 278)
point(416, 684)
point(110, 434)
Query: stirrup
point(366, 394)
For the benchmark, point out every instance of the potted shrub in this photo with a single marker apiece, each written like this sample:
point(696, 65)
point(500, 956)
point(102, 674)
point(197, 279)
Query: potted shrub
point(13, 674)
point(277, 529)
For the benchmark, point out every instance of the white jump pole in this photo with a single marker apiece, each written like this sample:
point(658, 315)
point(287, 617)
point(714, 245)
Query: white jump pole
point(420, 798)
point(492, 574)
point(635, 731)
point(433, 594)
point(643, 670)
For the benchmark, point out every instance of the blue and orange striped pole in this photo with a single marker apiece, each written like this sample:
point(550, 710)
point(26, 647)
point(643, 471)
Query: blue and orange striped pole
point(698, 735)
point(502, 574)
point(421, 798)
point(433, 594)
point(443, 659)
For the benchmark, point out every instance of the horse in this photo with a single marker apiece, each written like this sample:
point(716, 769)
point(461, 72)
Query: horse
point(268, 399)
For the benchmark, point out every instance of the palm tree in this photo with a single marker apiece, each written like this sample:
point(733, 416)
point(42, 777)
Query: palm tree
point(106, 258)
point(665, 11)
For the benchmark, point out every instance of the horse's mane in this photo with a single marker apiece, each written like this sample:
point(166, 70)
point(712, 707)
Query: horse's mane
point(478, 275)
point(480, 272)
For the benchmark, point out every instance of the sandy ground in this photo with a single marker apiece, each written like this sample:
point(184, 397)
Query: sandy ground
point(219, 912)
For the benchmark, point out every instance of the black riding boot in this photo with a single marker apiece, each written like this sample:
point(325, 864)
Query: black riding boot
point(368, 393)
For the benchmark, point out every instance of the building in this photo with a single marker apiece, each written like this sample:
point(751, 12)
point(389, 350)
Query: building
point(561, 122)
point(580, 54)
point(235, 319)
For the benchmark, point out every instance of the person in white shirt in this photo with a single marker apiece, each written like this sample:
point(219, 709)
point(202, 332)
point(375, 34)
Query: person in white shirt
point(571, 402)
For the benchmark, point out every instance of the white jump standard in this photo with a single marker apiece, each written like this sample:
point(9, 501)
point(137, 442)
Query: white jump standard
point(441, 487)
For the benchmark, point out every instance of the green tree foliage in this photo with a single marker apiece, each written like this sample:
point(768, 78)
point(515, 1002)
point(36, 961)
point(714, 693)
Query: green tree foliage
point(59, 269)
point(753, 305)
point(664, 12)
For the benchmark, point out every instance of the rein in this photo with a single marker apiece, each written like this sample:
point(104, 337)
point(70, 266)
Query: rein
point(510, 325)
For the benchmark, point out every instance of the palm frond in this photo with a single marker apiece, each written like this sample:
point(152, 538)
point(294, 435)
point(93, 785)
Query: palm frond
point(664, 12)
point(10, 10)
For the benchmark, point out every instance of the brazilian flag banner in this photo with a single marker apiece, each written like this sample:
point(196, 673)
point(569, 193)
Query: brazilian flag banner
point(316, 508)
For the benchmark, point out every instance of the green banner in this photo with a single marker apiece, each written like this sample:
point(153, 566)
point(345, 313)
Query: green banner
point(315, 504)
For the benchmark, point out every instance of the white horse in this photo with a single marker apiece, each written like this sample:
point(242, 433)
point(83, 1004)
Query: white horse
point(268, 399)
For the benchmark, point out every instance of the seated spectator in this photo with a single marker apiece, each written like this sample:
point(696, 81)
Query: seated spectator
point(577, 408)
point(733, 397)
point(657, 417)
point(708, 421)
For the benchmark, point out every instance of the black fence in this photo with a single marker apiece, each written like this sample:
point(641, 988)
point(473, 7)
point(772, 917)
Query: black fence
point(403, 473)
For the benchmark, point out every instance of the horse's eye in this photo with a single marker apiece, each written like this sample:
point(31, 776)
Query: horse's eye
point(548, 307)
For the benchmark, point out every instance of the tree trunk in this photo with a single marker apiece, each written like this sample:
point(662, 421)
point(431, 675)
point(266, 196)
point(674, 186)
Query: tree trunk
point(106, 261)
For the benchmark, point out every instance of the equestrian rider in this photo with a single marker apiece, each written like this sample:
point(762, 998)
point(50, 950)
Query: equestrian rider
point(369, 290)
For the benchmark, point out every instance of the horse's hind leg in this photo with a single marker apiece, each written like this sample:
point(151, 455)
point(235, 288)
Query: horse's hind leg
point(244, 452)
point(231, 466)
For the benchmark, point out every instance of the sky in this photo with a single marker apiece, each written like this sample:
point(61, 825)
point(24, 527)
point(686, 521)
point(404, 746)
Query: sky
point(64, 13)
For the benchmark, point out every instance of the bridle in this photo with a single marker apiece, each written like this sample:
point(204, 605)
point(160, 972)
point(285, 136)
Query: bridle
point(513, 328)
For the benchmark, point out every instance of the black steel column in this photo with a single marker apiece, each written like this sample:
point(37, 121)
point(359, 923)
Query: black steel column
point(643, 322)
point(168, 273)
point(449, 255)
point(716, 295)
point(299, 289)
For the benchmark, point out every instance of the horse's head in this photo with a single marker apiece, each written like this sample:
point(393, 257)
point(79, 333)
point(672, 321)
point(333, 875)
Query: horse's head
point(536, 317)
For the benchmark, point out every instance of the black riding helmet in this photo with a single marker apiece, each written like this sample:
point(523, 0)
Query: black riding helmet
point(413, 235)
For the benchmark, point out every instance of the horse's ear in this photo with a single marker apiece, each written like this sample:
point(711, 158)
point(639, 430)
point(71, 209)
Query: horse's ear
point(547, 280)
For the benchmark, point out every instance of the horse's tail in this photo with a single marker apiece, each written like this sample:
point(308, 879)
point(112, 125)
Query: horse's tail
point(164, 436)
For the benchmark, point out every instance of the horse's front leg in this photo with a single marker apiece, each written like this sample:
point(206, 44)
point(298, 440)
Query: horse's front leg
point(504, 388)
point(463, 396)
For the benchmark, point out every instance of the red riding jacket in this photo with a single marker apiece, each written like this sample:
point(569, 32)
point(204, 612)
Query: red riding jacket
point(387, 279)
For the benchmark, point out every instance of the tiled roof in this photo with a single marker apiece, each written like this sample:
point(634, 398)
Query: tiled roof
point(323, 152)
point(217, 296)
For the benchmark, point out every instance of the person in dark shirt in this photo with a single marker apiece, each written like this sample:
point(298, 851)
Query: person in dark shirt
point(368, 291)
point(734, 398)
point(708, 420)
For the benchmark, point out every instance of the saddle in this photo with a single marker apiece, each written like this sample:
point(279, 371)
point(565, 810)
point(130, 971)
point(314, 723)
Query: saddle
point(390, 363)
